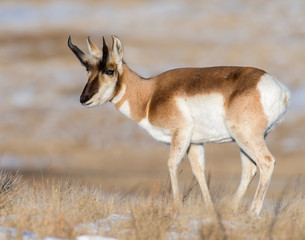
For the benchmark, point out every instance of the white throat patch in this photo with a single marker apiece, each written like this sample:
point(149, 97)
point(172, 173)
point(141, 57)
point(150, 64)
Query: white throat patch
point(125, 109)
point(119, 96)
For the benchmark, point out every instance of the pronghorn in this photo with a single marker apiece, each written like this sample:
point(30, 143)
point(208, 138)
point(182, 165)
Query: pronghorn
point(188, 107)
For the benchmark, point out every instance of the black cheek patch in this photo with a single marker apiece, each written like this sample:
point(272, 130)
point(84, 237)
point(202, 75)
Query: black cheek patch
point(94, 85)
point(90, 89)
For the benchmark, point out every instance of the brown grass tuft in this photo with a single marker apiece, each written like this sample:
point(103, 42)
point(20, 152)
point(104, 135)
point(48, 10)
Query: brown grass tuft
point(9, 186)
point(54, 208)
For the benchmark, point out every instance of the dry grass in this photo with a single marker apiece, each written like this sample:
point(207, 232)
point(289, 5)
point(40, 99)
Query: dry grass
point(56, 207)
point(9, 187)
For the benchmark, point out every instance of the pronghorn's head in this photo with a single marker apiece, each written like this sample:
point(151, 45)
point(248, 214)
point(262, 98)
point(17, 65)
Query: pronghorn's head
point(103, 67)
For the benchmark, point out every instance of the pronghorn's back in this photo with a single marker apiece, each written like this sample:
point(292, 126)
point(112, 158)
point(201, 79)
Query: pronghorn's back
point(228, 81)
point(188, 107)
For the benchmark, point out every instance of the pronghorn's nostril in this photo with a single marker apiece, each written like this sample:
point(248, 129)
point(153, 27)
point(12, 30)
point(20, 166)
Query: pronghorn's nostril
point(84, 98)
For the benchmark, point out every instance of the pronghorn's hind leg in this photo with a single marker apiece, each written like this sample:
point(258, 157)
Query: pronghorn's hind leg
point(196, 157)
point(248, 126)
point(249, 170)
point(265, 162)
point(256, 148)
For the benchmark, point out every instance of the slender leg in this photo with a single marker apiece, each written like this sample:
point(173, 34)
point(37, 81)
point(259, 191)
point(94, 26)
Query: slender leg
point(260, 154)
point(265, 162)
point(247, 123)
point(248, 172)
point(196, 157)
point(179, 146)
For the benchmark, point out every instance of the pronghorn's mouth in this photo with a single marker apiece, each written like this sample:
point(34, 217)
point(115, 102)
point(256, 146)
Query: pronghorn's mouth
point(89, 104)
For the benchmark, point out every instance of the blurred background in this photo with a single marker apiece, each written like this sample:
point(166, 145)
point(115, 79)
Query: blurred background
point(44, 131)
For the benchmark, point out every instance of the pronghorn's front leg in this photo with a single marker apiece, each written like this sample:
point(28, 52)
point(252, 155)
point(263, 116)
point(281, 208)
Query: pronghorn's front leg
point(196, 157)
point(247, 174)
point(179, 145)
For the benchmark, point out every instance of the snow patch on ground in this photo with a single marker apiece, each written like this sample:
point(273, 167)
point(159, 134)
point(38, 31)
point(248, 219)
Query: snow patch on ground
point(115, 221)
point(93, 237)
point(103, 225)
point(6, 232)
point(194, 223)
point(52, 238)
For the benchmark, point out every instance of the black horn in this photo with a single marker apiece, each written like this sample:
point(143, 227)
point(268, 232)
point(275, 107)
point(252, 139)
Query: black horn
point(105, 49)
point(104, 60)
point(78, 53)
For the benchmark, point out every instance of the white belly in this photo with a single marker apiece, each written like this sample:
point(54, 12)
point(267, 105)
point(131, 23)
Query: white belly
point(208, 115)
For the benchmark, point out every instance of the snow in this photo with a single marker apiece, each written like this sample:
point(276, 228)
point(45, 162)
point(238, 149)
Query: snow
point(93, 237)
point(114, 221)
point(52, 238)
point(7, 232)
point(194, 223)
point(11, 233)
point(28, 236)
point(103, 225)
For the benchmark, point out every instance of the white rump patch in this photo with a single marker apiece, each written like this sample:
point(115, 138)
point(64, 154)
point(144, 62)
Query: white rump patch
point(275, 98)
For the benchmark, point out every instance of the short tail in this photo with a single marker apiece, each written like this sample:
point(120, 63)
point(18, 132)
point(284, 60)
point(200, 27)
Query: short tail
point(285, 100)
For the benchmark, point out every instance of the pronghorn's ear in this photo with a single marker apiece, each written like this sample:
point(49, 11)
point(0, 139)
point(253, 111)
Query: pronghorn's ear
point(92, 48)
point(117, 49)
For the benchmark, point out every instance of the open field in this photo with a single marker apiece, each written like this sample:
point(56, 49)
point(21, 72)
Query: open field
point(65, 209)
point(81, 165)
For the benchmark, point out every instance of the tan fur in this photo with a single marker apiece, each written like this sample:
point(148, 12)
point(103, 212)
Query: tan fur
point(138, 93)
point(159, 91)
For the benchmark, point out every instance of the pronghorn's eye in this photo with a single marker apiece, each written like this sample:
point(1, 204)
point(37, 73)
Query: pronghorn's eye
point(109, 72)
